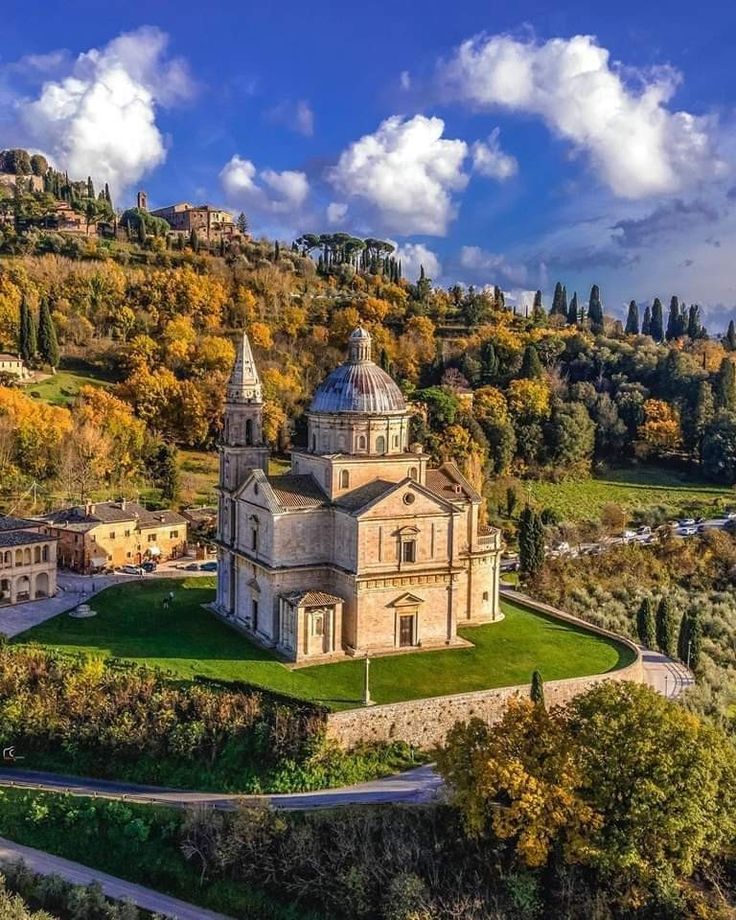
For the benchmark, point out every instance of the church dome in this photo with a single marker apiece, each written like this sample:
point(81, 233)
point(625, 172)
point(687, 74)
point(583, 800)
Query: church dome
point(359, 385)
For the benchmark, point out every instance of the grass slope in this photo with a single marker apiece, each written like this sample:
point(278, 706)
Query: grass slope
point(199, 471)
point(187, 641)
point(633, 489)
point(62, 388)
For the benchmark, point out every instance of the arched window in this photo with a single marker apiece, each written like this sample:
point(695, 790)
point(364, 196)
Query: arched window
point(413, 473)
point(249, 431)
point(8, 558)
point(36, 553)
point(27, 556)
point(344, 479)
point(396, 440)
point(361, 442)
point(45, 553)
point(19, 557)
point(380, 444)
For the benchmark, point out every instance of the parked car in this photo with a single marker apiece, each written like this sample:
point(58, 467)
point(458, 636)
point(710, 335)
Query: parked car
point(208, 567)
point(149, 567)
point(688, 531)
point(132, 569)
point(190, 567)
point(730, 515)
point(643, 531)
point(686, 522)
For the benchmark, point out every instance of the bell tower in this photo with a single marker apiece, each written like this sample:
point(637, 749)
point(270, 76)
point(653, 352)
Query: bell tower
point(242, 448)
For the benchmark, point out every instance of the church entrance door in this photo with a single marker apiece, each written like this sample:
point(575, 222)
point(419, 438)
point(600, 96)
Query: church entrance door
point(406, 631)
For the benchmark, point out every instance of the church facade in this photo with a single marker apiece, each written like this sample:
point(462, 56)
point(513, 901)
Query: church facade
point(362, 547)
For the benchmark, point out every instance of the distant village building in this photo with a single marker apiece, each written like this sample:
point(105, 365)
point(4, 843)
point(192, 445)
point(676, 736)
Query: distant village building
point(27, 561)
point(63, 218)
point(208, 222)
point(30, 182)
point(13, 364)
point(101, 535)
point(361, 547)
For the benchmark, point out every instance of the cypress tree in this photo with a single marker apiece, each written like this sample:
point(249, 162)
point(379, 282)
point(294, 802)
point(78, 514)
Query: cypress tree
point(90, 188)
point(657, 323)
point(595, 309)
point(537, 689)
point(665, 628)
point(48, 345)
point(538, 307)
point(276, 251)
point(557, 308)
point(694, 326)
point(726, 385)
point(632, 319)
point(696, 640)
point(531, 366)
point(572, 313)
point(489, 363)
point(27, 345)
point(645, 624)
point(563, 305)
point(194, 240)
point(673, 320)
point(531, 554)
point(646, 323)
point(730, 341)
point(703, 415)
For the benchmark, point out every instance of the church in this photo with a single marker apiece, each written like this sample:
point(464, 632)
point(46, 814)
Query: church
point(362, 547)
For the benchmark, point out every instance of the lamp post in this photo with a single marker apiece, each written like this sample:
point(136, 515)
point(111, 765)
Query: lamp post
point(689, 643)
point(367, 701)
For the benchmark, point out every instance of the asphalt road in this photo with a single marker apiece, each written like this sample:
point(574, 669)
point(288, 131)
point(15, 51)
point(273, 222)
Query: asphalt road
point(115, 888)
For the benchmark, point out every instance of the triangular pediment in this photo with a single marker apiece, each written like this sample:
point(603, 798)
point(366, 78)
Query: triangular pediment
point(407, 600)
point(407, 487)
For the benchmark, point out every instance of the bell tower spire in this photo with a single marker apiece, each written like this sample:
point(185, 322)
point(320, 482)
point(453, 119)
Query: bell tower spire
point(242, 448)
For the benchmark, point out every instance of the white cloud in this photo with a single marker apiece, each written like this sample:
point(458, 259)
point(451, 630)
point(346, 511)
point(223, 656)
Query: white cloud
point(405, 173)
point(405, 80)
point(266, 191)
point(637, 145)
point(492, 268)
point(100, 119)
point(415, 255)
point(298, 116)
point(491, 161)
point(336, 212)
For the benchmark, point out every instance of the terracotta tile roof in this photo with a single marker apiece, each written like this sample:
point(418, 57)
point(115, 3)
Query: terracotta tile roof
point(7, 522)
point(82, 517)
point(363, 495)
point(296, 491)
point(441, 484)
point(23, 538)
point(313, 599)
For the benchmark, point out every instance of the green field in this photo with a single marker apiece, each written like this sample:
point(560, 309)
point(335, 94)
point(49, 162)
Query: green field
point(633, 489)
point(186, 640)
point(62, 388)
point(199, 470)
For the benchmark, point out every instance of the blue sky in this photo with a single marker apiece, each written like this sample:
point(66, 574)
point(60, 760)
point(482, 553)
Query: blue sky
point(509, 144)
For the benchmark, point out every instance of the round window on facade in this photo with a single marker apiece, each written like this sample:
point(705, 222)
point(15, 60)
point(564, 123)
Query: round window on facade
point(409, 498)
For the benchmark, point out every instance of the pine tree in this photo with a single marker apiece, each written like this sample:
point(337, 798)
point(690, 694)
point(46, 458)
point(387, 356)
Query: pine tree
point(632, 319)
point(645, 624)
point(646, 323)
point(572, 313)
point(730, 341)
point(665, 628)
point(595, 309)
point(531, 366)
point(48, 346)
point(657, 322)
point(537, 689)
point(726, 385)
point(242, 223)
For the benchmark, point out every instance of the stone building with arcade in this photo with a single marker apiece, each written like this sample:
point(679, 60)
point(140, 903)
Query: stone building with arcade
point(362, 546)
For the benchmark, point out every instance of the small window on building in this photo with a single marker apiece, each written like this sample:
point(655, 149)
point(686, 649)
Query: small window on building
point(254, 539)
point(344, 479)
point(318, 624)
point(409, 551)
point(127, 533)
point(112, 534)
point(151, 537)
point(380, 444)
point(396, 440)
point(173, 534)
point(361, 442)
point(128, 555)
point(413, 473)
point(485, 595)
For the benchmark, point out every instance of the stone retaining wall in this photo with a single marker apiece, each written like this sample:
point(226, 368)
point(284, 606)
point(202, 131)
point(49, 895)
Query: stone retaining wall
point(425, 723)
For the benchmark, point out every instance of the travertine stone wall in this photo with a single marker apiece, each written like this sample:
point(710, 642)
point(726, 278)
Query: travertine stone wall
point(425, 723)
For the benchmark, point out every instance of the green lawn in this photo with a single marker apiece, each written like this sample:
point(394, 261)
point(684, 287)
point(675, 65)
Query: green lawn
point(187, 640)
point(633, 489)
point(62, 388)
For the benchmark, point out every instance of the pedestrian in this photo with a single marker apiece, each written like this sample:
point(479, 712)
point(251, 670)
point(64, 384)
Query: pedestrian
point(171, 596)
